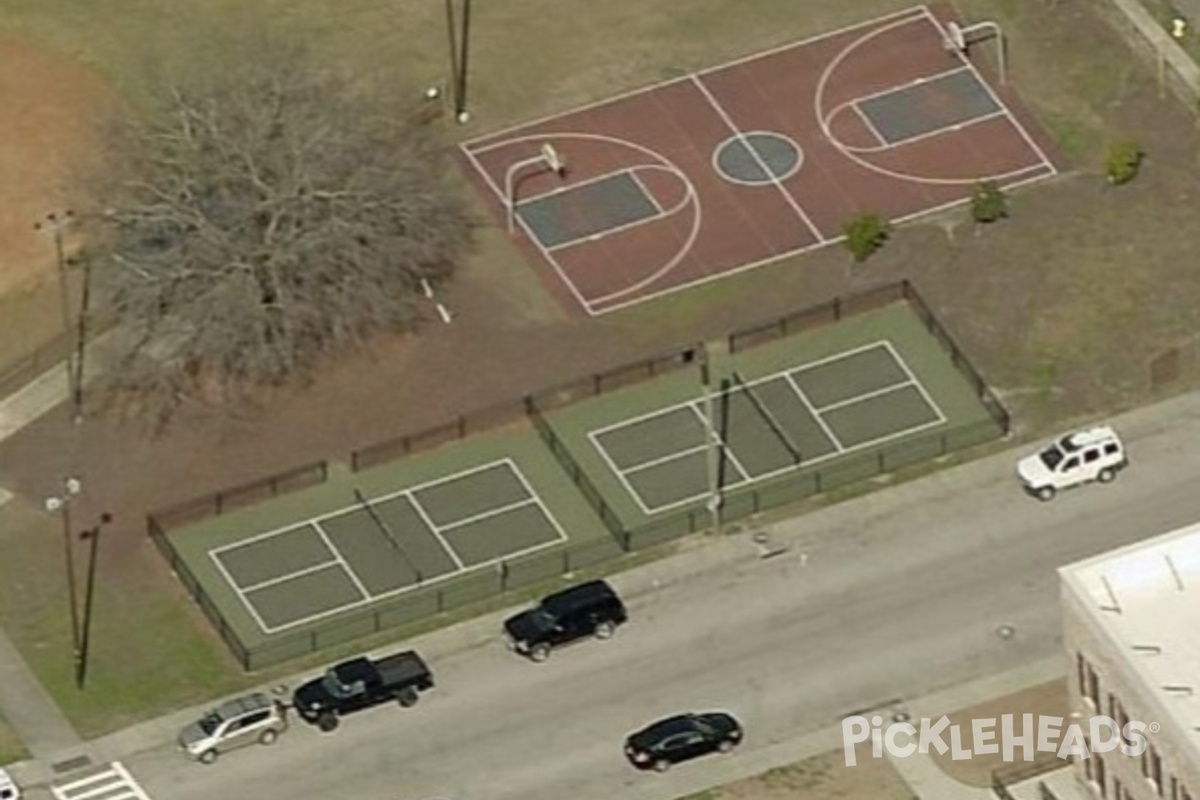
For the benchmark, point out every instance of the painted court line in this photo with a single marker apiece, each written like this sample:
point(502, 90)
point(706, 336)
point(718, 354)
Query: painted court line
point(727, 451)
point(433, 531)
point(913, 380)
point(979, 77)
point(341, 560)
point(505, 509)
point(537, 498)
point(290, 576)
point(837, 443)
point(870, 126)
point(787, 196)
point(336, 557)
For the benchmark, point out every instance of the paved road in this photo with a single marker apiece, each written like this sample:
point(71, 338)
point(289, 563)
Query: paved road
point(894, 595)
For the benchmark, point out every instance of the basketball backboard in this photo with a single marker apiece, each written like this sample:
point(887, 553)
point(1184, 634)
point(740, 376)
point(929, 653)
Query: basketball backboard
point(956, 39)
point(553, 158)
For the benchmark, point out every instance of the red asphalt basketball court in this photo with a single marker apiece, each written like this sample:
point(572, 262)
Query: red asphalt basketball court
point(730, 168)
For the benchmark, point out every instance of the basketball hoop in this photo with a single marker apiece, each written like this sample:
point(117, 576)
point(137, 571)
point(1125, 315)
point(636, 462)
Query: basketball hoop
point(956, 39)
point(547, 156)
point(553, 160)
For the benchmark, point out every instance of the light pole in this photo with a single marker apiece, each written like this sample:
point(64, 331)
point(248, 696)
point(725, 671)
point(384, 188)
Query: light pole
point(91, 535)
point(56, 224)
point(712, 442)
point(61, 504)
point(547, 157)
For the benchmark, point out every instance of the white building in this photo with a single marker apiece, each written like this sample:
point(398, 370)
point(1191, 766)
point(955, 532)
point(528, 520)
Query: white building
point(1131, 627)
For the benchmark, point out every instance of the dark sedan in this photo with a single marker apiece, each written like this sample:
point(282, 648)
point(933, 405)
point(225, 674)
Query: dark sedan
point(681, 738)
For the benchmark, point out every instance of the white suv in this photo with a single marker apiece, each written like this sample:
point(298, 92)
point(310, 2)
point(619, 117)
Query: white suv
point(8, 788)
point(244, 720)
point(1095, 454)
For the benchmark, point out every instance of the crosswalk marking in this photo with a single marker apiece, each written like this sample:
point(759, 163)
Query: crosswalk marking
point(111, 783)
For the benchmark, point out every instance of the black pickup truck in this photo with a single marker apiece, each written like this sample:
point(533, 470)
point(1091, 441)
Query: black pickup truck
point(361, 683)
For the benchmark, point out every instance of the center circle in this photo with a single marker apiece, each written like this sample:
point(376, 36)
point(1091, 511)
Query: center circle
point(757, 157)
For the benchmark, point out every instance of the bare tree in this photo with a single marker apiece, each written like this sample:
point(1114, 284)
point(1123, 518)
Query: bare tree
point(267, 214)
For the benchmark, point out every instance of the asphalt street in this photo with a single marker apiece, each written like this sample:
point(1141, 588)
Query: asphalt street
point(890, 596)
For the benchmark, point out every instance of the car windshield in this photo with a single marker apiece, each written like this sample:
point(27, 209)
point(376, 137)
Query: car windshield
point(702, 726)
point(543, 619)
point(334, 686)
point(1052, 457)
point(209, 722)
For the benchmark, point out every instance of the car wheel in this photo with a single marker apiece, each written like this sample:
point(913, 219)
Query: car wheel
point(605, 630)
point(407, 698)
point(539, 652)
point(1045, 493)
point(1106, 475)
point(208, 756)
point(726, 745)
point(662, 765)
point(268, 736)
point(327, 722)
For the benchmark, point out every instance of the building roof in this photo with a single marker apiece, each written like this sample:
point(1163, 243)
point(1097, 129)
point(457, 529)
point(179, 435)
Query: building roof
point(1146, 598)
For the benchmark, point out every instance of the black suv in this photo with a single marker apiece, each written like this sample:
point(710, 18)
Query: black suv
point(676, 739)
point(590, 609)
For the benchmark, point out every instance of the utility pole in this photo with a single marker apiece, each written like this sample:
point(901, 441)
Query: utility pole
point(56, 224)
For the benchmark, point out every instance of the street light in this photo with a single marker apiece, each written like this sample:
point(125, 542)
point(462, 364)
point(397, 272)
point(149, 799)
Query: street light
point(61, 504)
point(56, 224)
point(548, 157)
point(91, 535)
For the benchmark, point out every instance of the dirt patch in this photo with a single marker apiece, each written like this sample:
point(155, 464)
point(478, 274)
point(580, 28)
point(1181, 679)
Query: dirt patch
point(52, 107)
point(1047, 700)
point(820, 778)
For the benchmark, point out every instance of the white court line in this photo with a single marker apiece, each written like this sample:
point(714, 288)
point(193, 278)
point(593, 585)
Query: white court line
point(906, 87)
point(787, 196)
point(349, 571)
point(647, 88)
point(353, 507)
point(619, 472)
point(588, 304)
point(823, 120)
point(562, 275)
point(660, 460)
point(371, 599)
point(433, 529)
point(504, 509)
point(537, 498)
point(237, 590)
point(862, 115)
point(941, 31)
point(726, 447)
point(300, 573)
point(953, 127)
point(913, 379)
point(833, 439)
point(653, 200)
point(820, 362)
point(860, 398)
point(787, 375)
point(711, 429)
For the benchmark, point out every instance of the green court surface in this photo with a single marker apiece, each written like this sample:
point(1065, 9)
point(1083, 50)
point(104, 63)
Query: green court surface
point(395, 542)
point(809, 412)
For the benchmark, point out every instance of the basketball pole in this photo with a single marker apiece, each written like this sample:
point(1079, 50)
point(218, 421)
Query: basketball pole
point(452, 35)
point(464, 47)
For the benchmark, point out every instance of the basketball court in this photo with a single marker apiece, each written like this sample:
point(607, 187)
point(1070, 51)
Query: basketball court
point(726, 169)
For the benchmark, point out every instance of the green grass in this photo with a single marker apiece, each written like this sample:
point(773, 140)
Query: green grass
point(11, 749)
